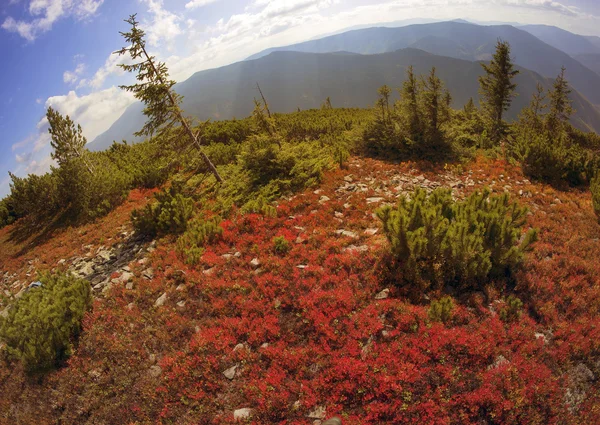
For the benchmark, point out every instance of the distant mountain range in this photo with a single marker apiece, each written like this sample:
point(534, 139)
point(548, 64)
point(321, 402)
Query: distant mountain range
point(292, 80)
point(463, 41)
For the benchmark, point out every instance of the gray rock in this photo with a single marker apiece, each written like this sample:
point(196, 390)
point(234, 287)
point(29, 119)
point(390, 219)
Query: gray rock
point(86, 270)
point(255, 262)
point(374, 200)
point(333, 421)
point(324, 199)
point(155, 371)
point(500, 361)
point(354, 248)
point(383, 294)
point(347, 233)
point(129, 285)
point(318, 413)
point(148, 273)
point(161, 300)
point(243, 413)
point(230, 373)
point(126, 277)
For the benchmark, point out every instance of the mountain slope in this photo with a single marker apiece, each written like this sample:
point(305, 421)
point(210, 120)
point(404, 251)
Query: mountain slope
point(590, 60)
point(292, 80)
point(571, 44)
point(471, 42)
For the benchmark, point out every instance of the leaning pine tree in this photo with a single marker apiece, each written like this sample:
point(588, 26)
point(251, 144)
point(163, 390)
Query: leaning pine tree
point(156, 91)
point(497, 89)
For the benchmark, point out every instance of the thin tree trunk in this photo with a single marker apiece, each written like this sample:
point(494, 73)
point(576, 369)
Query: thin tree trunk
point(264, 100)
point(185, 124)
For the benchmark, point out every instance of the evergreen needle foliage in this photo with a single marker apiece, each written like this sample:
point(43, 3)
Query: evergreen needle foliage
point(595, 188)
point(200, 232)
point(438, 241)
point(43, 324)
point(169, 214)
point(497, 89)
point(155, 90)
point(441, 310)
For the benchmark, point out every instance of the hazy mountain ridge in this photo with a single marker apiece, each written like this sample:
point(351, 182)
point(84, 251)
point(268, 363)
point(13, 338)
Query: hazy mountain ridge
point(292, 80)
point(468, 41)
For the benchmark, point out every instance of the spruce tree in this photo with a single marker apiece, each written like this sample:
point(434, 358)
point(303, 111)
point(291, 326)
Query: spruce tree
point(383, 102)
point(497, 88)
point(155, 90)
point(409, 101)
point(68, 142)
point(560, 104)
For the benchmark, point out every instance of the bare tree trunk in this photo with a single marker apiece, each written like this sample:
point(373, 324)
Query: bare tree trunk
point(264, 100)
point(185, 124)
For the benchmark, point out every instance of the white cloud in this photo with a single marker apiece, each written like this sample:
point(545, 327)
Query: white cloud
point(109, 68)
point(548, 5)
point(95, 112)
point(163, 25)
point(45, 12)
point(194, 4)
point(71, 77)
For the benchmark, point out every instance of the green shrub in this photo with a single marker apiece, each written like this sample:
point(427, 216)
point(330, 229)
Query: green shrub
point(281, 245)
point(552, 160)
point(43, 324)
point(441, 310)
point(169, 214)
point(595, 188)
point(199, 233)
point(511, 310)
point(436, 240)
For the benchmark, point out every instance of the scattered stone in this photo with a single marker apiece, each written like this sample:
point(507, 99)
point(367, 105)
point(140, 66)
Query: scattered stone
point(61, 262)
point(302, 266)
point(148, 273)
point(126, 277)
point(318, 413)
point(348, 233)
point(324, 199)
point(255, 262)
point(180, 287)
point(500, 361)
point(155, 371)
point(333, 421)
point(129, 285)
point(374, 200)
point(243, 413)
point(354, 248)
point(161, 300)
point(371, 231)
point(383, 294)
point(348, 178)
point(209, 272)
point(580, 379)
point(230, 373)
point(542, 336)
point(152, 358)
point(239, 347)
point(339, 214)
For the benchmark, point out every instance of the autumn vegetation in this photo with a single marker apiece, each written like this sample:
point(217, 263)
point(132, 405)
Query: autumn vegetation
point(463, 305)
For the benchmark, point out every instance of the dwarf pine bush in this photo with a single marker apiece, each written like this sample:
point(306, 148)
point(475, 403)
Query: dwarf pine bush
point(512, 310)
point(595, 188)
point(191, 244)
point(441, 310)
point(436, 240)
point(169, 214)
point(43, 324)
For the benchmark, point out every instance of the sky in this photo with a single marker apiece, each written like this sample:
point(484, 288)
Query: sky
point(59, 52)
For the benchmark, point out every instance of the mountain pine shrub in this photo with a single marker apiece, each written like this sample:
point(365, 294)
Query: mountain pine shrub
point(511, 310)
point(191, 244)
point(281, 245)
point(436, 240)
point(43, 324)
point(595, 188)
point(441, 310)
point(169, 214)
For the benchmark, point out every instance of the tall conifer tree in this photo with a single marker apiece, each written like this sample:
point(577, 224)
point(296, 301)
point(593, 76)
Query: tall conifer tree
point(155, 90)
point(497, 88)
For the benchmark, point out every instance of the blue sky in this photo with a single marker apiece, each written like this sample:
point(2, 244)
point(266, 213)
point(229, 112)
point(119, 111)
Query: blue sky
point(58, 52)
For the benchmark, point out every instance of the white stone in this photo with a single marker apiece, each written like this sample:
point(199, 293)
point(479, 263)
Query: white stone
point(243, 413)
point(230, 373)
point(161, 300)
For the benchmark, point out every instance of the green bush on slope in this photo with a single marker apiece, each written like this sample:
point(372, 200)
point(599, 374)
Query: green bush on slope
point(438, 241)
point(43, 324)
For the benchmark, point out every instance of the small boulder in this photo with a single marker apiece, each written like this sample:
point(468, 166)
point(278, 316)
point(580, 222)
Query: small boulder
point(255, 262)
point(240, 414)
point(383, 294)
point(161, 300)
point(318, 413)
point(230, 373)
point(155, 371)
